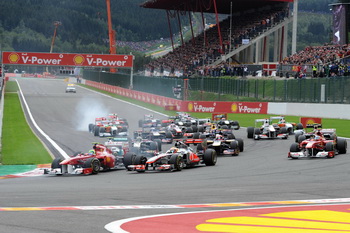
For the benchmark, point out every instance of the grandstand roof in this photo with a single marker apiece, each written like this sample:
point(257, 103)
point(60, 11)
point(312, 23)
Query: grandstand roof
point(223, 6)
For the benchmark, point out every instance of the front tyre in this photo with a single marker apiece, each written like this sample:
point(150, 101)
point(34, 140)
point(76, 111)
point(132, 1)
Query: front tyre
point(210, 157)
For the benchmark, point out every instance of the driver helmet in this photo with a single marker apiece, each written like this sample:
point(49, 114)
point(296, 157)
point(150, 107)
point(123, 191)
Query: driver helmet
point(173, 150)
point(317, 137)
point(219, 137)
point(91, 152)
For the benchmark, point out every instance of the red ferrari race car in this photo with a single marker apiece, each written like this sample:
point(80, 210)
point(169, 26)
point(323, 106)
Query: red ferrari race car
point(99, 158)
point(176, 158)
point(317, 146)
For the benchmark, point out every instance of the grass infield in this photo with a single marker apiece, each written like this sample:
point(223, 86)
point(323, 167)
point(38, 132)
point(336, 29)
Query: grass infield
point(19, 144)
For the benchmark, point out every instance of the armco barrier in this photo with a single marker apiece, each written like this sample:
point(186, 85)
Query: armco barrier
point(185, 106)
point(137, 95)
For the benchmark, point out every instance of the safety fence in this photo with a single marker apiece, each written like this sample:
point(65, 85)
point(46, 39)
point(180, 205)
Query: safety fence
point(318, 90)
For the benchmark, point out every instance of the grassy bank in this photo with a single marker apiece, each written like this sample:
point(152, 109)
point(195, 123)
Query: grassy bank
point(19, 144)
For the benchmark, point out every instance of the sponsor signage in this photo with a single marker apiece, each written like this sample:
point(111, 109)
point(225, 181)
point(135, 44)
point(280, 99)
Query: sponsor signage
point(226, 107)
point(67, 59)
point(310, 121)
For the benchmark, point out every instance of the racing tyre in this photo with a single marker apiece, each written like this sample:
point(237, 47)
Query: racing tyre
point(342, 145)
point(200, 147)
point(91, 128)
point(284, 130)
point(159, 142)
point(297, 136)
point(257, 131)
point(194, 128)
point(231, 136)
point(201, 128)
point(189, 130)
point(329, 146)
point(153, 146)
point(301, 138)
point(140, 123)
point(124, 129)
point(202, 136)
point(96, 131)
point(128, 160)
point(210, 157)
point(250, 132)
point(139, 159)
point(240, 144)
point(94, 164)
point(224, 127)
point(234, 145)
point(170, 136)
point(196, 135)
point(56, 163)
point(177, 161)
point(299, 126)
point(236, 124)
point(294, 147)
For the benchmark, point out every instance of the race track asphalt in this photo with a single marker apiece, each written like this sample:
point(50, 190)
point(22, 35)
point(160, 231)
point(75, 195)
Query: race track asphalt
point(261, 173)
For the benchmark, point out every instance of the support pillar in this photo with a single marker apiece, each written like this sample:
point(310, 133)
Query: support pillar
point(295, 24)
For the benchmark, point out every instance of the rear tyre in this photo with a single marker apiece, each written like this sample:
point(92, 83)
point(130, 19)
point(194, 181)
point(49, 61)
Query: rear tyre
point(159, 142)
point(56, 163)
point(153, 146)
point(139, 159)
point(301, 138)
point(342, 145)
point(210, 157)
point(96, 131)
point(250, 132)
point(240, 144)
point(129, 160)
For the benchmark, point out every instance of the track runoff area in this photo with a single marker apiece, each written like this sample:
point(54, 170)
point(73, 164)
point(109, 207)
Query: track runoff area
point(329, 215)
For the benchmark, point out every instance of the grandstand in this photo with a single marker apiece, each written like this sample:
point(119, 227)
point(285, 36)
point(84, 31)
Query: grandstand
point(242, 38)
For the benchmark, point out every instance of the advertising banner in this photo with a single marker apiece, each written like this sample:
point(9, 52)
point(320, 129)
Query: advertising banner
point(67, 59)
point(310, 121)
point(225, 107)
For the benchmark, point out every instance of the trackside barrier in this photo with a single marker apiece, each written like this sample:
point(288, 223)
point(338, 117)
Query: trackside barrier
point(185, 106)
point(337, 111)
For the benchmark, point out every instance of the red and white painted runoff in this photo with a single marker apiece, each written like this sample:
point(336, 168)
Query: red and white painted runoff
point(325, 218)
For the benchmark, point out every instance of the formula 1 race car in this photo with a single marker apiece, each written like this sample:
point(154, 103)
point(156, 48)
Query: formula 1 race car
point(175, 159)
point(99, 159)
point(155, 134)
point(266, 130)
point(148, 121)
point(119, 142)
point(109, 127)
point(317, 146)
point(222, 145)
point(279, 122)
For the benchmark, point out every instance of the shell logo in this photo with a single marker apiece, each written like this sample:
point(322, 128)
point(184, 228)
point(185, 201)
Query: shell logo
point(78, 60)
point(310, 122)
point(13, 57)
point(308, 221)
point(234, 107)
point(190, 107)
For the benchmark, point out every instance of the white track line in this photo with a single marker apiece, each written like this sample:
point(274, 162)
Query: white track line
point(53, 143)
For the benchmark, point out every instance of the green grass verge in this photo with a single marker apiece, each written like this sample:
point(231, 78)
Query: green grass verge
point(19, 144)
point(245, 120)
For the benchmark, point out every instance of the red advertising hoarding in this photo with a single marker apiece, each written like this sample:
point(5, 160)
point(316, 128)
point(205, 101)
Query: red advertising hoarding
point(225, 107)
point(67, 59)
